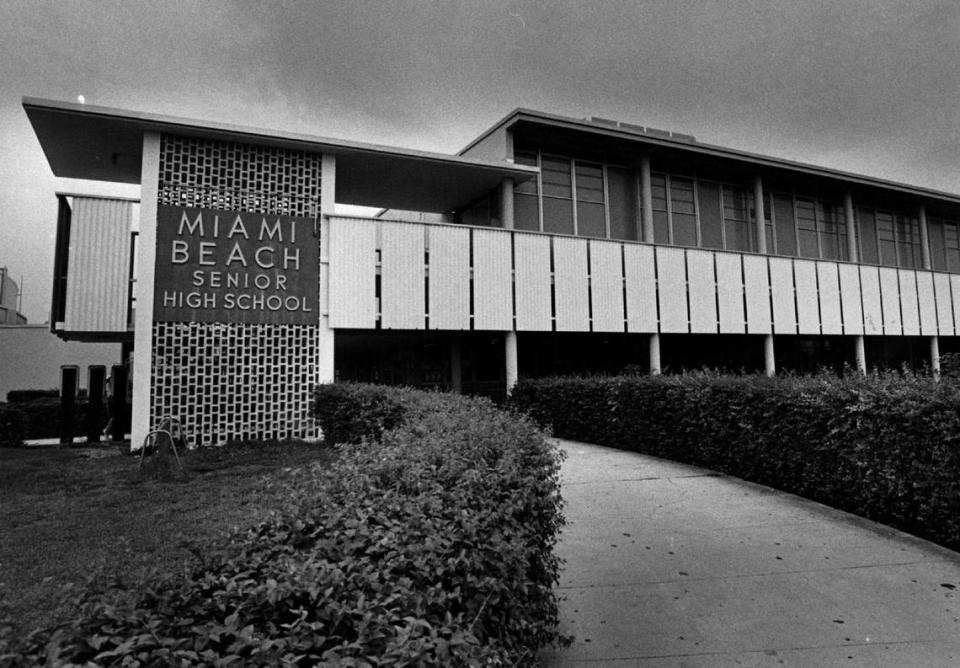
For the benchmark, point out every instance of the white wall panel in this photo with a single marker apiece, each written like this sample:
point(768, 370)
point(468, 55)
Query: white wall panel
point(927, 304)
point(98, 266)
point(872, 301)
point(533, 282)
point(781, 294)
point(672, 290)
point(641, 284)
point(955, 295)
point(732, 316)
point(449, 277)
point(492, 280)
point(571, 287)
point(941, 285)
point(402, 282)
point(850, 304)
point(756, 286)
point(909, 308)
point(606, 286)
point(353, 262)
point(890, 297)
point(828, 283)
point(702, 288)
point(808, 301)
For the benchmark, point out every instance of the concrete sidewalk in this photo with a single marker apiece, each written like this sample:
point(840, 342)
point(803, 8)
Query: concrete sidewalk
point(671, 565)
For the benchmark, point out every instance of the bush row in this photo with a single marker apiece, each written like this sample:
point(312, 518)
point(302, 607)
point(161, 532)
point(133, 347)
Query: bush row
point(884, 447)
point(12, 428)
point(431, 545)
point(40, 418)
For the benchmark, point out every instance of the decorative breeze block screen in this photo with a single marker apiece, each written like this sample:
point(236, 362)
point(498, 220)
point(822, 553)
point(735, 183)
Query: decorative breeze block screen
point(236, 381)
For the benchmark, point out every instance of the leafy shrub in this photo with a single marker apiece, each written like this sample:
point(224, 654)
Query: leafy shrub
point(881, 446)
point(42, 417)
point(19, 396)
point(12, 432)
point(429, 547)
point(349, 412)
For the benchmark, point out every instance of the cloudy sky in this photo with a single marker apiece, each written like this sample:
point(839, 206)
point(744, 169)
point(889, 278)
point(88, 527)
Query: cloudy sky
point(870, 86)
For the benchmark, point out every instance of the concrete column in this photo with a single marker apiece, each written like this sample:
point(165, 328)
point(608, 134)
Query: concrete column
point(456, 374)
point(769, 361)
point(143, 326)
point(326, 367)
point(935, 355)
point(655, 355)
point(510, 349)
point(852, 251)
point(506, 203)
point(761, 217)
point(646, 194)
point(924, 237)
point(861, 354)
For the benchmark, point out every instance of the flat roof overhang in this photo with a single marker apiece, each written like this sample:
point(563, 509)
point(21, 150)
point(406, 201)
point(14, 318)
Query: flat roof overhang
point(103, 144)
point(593, 133)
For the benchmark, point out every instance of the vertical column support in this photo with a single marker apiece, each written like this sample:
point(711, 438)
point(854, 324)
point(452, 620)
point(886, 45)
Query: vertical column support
point(761, 217)
point(646, 194)
point(326, 367)
point(506, 203)
point(935, 356)
point(769, 360)
point(853, 254)
point(143, 325)
point(861, 354)
point(655, 368)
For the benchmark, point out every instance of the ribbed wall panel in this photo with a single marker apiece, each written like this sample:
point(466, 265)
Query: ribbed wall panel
point(98, 281)
point(533, 282)
point(782, 296)
point(492, 280)
point(402, 279)
point(909, 308)
point(353, 261)
point(890, 297)
point(850, 305)
point(606, 286)
point(927, 304)
point(672, 290)
point(756, 287)
point(828, 281)
point(872, 301)
point(732, 317)
point(702, 289)
point(641, 284)
point(945, 323)
point(955, 298)
point(571, 286)
point(808, 308)
point(449, 278)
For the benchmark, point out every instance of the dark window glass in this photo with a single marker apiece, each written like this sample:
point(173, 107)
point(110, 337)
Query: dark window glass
point(908, 242)
point(557, 215)
point(786, 232)
point(661, 225)
point(528, 158)
point(591, 213)
point(736, 220)
point(711, 221)
point(886, 238)
point(591, 220)
point(938, 249)
point(526, 212)
point(867, 228)
point(832, 232)
point(684, 212)
point(951, 240)
point(807, 228)
point(555, 175)
point(623, 203)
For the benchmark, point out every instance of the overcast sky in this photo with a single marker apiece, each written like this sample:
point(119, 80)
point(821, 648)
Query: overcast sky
point(870, 86)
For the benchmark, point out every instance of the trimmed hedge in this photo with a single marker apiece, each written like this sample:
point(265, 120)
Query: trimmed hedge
point(429, 547)
point(41, 417)
point(884, 447)
point(12, 432)
point(19, 396)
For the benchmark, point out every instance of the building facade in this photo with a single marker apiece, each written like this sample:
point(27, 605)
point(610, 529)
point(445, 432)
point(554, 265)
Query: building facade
point(548, 245)
point(10, 300)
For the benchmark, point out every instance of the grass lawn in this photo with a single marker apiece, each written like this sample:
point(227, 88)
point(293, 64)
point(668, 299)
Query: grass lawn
point(79, 518)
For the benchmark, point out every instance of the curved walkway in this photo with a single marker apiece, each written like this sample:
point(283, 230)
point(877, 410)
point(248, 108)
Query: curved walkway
point(671, 565)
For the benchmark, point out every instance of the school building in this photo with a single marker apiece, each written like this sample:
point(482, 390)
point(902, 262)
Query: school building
point(547, 245)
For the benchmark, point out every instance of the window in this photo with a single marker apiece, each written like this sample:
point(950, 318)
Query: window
point(887, 238)
point(711, 217)
point(908, 242)
point(683, 211)
point(526, 195)
point(736, 219)
point(591, 210)
point(786, 232)
point(807, 228)
point(623, 203)
point(833, 231)
point(661, 221)
point(557, 194)
point(867, 227)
